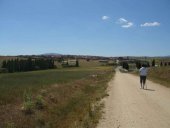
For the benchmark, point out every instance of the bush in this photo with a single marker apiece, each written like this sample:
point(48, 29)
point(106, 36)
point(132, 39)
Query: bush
point(28, 107)
point(28, 104)
point(39, 102)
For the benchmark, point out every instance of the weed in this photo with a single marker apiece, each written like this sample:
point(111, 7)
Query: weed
point(72, 100)
point(28, 104)
point(39, 102)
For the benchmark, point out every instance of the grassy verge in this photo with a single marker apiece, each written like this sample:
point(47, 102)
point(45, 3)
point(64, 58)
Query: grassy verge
point(69, 97)
point(159, 75)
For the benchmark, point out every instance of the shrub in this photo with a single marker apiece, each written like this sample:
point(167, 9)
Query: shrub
point(39, 102)
point(28, 104)
point(28, 107)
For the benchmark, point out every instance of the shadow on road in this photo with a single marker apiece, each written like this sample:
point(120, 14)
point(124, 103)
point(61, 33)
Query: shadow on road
point(149, 89)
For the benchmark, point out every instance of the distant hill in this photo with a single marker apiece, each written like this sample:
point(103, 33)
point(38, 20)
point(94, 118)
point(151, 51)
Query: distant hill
point(167, 56)
point(51, 54)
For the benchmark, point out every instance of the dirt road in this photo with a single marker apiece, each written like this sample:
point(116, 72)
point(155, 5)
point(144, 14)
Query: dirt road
point(128, 106)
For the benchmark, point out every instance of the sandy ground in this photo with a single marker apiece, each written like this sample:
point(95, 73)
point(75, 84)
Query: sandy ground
point(128, 106)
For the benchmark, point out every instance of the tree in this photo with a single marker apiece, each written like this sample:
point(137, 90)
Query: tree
point(51, 64)
point(125, 65)
point(29, 64)
point(4, 64)
point(10, 64)
point(138, 64)
point(165, 64)
point(153, 63)
point(77, 63)
point(161, 64)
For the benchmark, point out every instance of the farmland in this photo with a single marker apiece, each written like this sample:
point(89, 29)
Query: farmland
point(66, 97)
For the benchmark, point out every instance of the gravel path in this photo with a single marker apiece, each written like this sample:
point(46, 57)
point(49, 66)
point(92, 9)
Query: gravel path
point(128, 106)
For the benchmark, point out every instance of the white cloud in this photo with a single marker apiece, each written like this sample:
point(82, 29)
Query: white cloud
point(124, 23)
point(122, 20)
point(150, 24)
point(127, 25)
point(105, 17)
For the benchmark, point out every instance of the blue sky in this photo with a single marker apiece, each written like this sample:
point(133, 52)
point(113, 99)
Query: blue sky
point(86, 27)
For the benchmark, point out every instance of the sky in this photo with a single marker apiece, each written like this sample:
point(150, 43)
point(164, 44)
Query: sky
point(85, 27)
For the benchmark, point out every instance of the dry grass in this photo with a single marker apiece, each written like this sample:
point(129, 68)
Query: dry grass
point(160, 75)
point(70, 97)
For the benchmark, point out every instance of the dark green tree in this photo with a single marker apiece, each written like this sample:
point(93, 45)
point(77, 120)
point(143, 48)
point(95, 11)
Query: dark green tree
point(29, 64)
point(153, 63)
point(4, 64)
point(161, 64)
point(77, 63)
point(165, 64)
point(125, 65)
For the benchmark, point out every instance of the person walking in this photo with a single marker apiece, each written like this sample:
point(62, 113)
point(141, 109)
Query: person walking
point(143, 71)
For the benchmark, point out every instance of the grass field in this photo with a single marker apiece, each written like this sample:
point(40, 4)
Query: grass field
point(160, 75)
point(69, 97)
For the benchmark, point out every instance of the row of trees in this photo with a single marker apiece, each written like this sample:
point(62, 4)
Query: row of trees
point(139, 64)
point(161, 63)
point(164, 64)
point(21, 65)
point(146, 63)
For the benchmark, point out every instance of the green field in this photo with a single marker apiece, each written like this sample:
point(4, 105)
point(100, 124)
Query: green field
point(68, 96)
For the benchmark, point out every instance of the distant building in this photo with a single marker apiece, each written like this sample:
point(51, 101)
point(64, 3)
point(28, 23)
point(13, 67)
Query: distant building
point(70, 63)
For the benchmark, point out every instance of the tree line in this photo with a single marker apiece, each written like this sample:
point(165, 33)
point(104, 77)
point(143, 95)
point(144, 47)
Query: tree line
point(139, 64)
point(22, 65)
